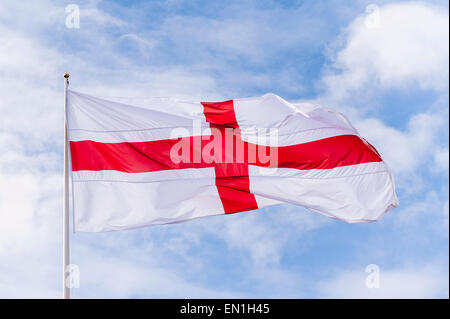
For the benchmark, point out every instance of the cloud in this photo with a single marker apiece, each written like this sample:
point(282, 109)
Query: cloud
point(411, 281)
point(402, 51)
point(398, 49)
point(98, 17)
point(238, 34)
point(422, 216)
point(133, 275)
point(409, 150)
point(29, 205)
point(445, 213)
point(394, 46)
point(30, 179)
point(262, 239)
point(441, 159)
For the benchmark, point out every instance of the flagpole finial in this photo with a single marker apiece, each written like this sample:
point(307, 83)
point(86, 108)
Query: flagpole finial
point(66, 75)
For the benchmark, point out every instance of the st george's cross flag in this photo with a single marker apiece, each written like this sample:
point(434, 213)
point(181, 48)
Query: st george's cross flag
point(139, 162)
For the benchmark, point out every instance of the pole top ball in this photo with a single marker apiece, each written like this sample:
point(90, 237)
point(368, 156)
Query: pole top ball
point(66, 75)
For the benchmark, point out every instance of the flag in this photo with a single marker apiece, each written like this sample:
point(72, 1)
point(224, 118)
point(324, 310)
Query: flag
point(138, 162)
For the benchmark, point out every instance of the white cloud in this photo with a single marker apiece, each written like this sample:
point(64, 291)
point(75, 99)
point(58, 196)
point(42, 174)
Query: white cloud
point(30, 182)
point(241, 31)
point(412, 281)
point(445, 213)
point(401, 47)
point(419, 217)
point(29, 208)
point(441, 159)
point(132, 275)
point(409, 46)
point(94, 16)
point(406, 52)
point(262, 239)
point(409, 150)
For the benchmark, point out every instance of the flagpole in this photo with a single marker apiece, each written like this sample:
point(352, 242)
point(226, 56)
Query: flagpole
point(66, 251)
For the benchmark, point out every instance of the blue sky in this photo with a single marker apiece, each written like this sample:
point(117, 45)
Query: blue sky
point(382, 63)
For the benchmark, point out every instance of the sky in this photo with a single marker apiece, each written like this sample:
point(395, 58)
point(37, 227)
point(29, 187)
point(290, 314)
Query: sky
point(382, 63)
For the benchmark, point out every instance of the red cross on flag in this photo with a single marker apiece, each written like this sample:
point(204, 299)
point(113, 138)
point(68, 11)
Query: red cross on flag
point(139, 162)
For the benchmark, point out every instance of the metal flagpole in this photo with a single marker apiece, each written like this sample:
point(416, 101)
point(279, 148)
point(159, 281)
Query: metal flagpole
point(66, 252)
